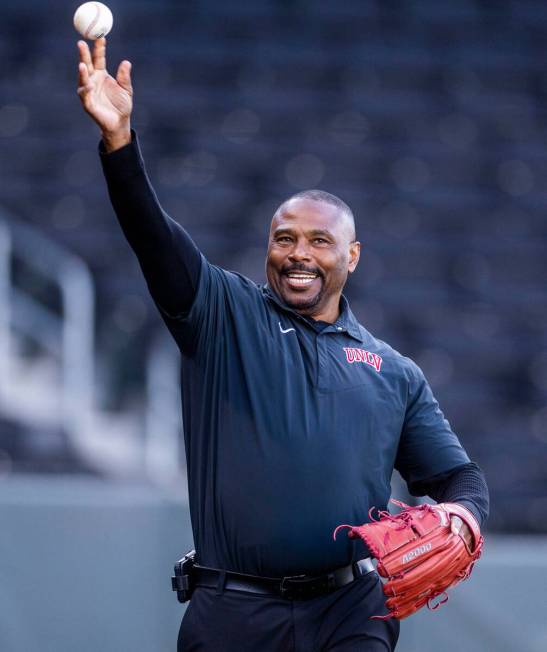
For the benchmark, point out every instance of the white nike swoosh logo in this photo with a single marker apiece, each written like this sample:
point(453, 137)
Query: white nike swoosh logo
point(288, 330)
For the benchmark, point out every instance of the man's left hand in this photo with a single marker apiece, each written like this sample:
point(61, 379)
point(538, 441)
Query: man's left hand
point(459, 527)
point(421, 551)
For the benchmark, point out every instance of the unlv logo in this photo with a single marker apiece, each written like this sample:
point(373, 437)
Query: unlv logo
point(360, 355)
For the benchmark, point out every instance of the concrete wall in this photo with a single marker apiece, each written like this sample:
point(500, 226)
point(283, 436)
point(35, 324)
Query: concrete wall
point(85, 565)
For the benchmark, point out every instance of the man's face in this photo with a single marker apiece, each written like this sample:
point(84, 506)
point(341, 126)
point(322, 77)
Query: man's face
point(311, 250)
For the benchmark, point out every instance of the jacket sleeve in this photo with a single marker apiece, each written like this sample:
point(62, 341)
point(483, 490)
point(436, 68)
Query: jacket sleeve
point(427, 445)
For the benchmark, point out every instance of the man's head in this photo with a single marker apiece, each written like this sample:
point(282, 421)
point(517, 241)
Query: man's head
point(311, 250)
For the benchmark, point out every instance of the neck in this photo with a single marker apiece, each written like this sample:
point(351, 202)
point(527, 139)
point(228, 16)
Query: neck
point(328, 313)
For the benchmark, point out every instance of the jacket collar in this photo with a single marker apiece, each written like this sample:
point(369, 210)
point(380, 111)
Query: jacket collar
point(346, 321)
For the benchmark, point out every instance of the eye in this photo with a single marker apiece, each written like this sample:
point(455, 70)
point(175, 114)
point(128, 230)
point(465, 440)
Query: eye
point(320, 240)
point(283, 238)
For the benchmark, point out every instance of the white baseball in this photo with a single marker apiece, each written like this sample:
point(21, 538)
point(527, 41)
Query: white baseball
point(93, 20)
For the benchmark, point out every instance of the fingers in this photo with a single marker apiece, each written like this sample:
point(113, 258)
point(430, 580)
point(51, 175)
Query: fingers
point(123, 76)
point(85, 56)
point(456, 524)
point(99, 54)
point(84, 84)
point(83, 74)
point(459, 528)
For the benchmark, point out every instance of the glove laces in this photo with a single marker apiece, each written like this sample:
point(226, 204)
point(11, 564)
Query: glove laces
point(403, 520)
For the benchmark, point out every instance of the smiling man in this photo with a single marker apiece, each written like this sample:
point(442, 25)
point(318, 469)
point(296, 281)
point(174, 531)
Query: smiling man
point(295, 415)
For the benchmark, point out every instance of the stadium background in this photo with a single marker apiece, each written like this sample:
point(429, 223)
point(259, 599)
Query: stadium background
point(427, 117)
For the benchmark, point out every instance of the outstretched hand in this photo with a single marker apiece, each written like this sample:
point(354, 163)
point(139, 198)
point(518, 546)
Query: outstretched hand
point(107, 100)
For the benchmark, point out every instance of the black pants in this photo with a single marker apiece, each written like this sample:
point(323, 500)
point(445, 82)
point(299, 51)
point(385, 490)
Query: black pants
point(233, 621)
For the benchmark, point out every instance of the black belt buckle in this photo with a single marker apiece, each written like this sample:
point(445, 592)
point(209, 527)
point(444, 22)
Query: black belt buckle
point(182, 580)
point(301, 586)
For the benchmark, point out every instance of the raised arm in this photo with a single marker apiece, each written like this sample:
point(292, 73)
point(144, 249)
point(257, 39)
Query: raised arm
point(168, 257)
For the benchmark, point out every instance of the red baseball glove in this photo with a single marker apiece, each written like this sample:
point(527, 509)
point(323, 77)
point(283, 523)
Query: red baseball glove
point(420, 553)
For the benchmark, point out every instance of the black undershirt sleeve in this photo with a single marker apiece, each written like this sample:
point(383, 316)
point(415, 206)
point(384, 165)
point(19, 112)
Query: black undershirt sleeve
point(168, 257)
point(465, 484)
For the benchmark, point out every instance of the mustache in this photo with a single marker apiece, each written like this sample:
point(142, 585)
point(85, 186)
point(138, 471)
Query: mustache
point(299, 267)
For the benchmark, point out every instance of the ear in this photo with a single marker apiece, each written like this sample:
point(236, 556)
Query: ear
point(354, 255)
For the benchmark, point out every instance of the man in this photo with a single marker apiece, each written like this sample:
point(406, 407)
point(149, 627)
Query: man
point(295, 415)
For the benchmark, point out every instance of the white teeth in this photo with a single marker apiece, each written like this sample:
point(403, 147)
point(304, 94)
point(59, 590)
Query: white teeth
point(294, 275)
point(301, 279)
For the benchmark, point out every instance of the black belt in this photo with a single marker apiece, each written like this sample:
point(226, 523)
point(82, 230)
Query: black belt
point(295, 587)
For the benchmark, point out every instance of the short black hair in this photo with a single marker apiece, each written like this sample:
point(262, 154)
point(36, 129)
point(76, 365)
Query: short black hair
point(326, 197)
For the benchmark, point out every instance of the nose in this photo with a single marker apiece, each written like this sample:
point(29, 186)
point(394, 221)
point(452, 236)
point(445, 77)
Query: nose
point(300, 251)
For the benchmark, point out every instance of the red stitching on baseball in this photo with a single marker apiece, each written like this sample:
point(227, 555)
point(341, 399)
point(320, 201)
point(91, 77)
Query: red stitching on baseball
point(94, 21)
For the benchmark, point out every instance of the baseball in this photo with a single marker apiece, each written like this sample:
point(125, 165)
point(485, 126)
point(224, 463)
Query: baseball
point(93, 20)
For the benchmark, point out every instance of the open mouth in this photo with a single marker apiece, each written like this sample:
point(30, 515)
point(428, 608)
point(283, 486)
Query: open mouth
point(300, 280)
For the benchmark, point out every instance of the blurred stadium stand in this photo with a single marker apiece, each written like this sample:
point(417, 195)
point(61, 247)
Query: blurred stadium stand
point(428, 118)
